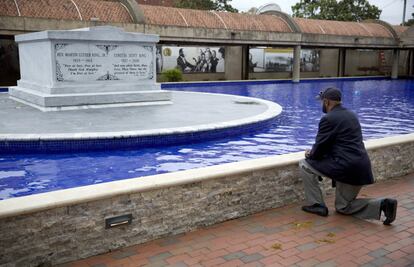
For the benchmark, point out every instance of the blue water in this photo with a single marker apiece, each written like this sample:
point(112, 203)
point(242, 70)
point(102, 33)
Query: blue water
point(384, 107)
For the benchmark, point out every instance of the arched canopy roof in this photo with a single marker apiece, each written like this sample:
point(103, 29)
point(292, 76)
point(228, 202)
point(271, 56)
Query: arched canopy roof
point(345, 28)
point(213, 19)
point(400, 29)
point(108, 11)
point(116, 11)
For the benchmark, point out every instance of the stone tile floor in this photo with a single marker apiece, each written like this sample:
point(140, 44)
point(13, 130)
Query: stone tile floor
point(285, 236)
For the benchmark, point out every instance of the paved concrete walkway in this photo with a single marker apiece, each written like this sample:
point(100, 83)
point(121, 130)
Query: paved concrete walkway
point(286, 237)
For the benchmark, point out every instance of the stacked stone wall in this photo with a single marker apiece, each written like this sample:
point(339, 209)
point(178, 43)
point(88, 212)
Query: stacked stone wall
point(76, 231)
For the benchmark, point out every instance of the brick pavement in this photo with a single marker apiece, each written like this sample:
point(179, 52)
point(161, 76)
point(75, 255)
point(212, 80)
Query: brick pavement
point(285, 236)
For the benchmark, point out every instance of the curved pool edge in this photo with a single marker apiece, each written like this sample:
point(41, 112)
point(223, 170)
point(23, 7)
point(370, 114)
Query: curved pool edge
point(67, 197)
point(85, 141)
point(273, 110)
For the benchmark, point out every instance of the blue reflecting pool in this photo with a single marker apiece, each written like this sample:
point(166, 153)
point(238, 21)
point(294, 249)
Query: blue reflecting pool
point(385, 107)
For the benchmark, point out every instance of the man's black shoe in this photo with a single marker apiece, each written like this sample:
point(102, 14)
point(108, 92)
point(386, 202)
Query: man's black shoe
point(318, 209)
point(389, 207)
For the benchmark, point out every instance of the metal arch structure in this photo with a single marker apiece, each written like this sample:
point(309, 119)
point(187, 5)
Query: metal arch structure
point(134, 10)
point(270, 6)
point(288, 19)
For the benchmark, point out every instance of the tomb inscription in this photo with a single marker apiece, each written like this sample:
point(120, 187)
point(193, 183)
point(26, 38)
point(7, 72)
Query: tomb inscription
point(103, 62)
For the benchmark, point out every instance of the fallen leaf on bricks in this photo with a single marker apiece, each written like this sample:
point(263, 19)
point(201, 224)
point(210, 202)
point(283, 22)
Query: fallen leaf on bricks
point(325, 240)
point(277, 246)
point(331, 235)
point(302, 225)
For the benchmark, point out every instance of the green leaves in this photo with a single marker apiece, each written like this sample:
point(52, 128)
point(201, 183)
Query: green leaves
point(172, 75)
point(344, 10)
point(219, 5)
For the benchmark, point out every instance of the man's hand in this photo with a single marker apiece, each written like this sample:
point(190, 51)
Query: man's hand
point(307, 153)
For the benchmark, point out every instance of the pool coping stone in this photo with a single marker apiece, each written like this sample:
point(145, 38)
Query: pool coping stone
point(44, 201)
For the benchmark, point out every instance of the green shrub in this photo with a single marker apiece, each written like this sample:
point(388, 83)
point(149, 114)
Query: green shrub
point(172, 75)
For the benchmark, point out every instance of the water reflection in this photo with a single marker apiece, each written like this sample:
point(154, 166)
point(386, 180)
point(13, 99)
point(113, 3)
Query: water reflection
point(384, 107)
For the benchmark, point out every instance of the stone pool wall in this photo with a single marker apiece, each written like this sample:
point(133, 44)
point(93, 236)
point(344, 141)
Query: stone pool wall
point(66, 225)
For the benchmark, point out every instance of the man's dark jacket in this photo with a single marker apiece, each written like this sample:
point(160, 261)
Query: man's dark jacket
point(339, 152)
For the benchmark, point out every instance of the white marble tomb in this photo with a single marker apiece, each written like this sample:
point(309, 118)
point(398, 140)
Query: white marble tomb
point(85, 68)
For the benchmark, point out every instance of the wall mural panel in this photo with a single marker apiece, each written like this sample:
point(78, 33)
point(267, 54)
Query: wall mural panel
point(190, 59)
point(281, 60)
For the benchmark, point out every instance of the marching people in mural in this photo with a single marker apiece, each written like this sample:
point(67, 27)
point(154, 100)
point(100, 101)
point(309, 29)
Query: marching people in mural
point(252, 64)
point(193, 59)
point(281, 60)
point(190, 59)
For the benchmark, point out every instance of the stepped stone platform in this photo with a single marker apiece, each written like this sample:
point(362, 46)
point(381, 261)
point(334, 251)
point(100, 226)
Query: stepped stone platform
point(88, 67)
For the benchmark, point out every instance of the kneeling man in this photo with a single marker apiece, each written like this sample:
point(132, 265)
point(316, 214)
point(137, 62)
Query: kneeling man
point(339, 154)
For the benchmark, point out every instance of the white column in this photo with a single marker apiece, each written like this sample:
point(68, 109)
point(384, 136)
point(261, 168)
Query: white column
point(296, 64)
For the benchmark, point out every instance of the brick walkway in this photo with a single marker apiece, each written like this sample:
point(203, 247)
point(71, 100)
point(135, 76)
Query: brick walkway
point(286, 237)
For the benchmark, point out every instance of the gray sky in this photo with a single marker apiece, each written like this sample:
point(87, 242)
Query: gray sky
point(391, 9)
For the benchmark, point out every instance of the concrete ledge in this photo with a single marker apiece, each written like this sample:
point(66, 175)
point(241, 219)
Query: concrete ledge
point(95, 106)
point(34, 203)
point(44, 201)
point(52, 102)
point(389, 141)
point(69, 224)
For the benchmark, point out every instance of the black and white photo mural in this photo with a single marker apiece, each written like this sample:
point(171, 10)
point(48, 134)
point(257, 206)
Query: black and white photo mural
point(309, 60)
point(190, 59)
point(266, 59)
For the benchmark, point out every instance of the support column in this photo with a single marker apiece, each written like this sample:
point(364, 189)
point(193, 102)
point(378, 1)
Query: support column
point(234, 63)
point(296, 64)
point(341, 62)
point(395, 61)
point(245, 62)
point(411, 63)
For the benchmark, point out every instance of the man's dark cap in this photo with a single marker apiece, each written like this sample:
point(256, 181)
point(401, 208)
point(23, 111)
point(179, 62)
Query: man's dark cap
point(330, 93)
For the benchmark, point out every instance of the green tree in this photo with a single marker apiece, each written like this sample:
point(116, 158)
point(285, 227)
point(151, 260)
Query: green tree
point(344, 10)
point(219, 5)
point(410, 22)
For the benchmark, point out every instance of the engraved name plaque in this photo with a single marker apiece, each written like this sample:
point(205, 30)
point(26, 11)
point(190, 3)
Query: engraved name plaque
point(103, 62)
